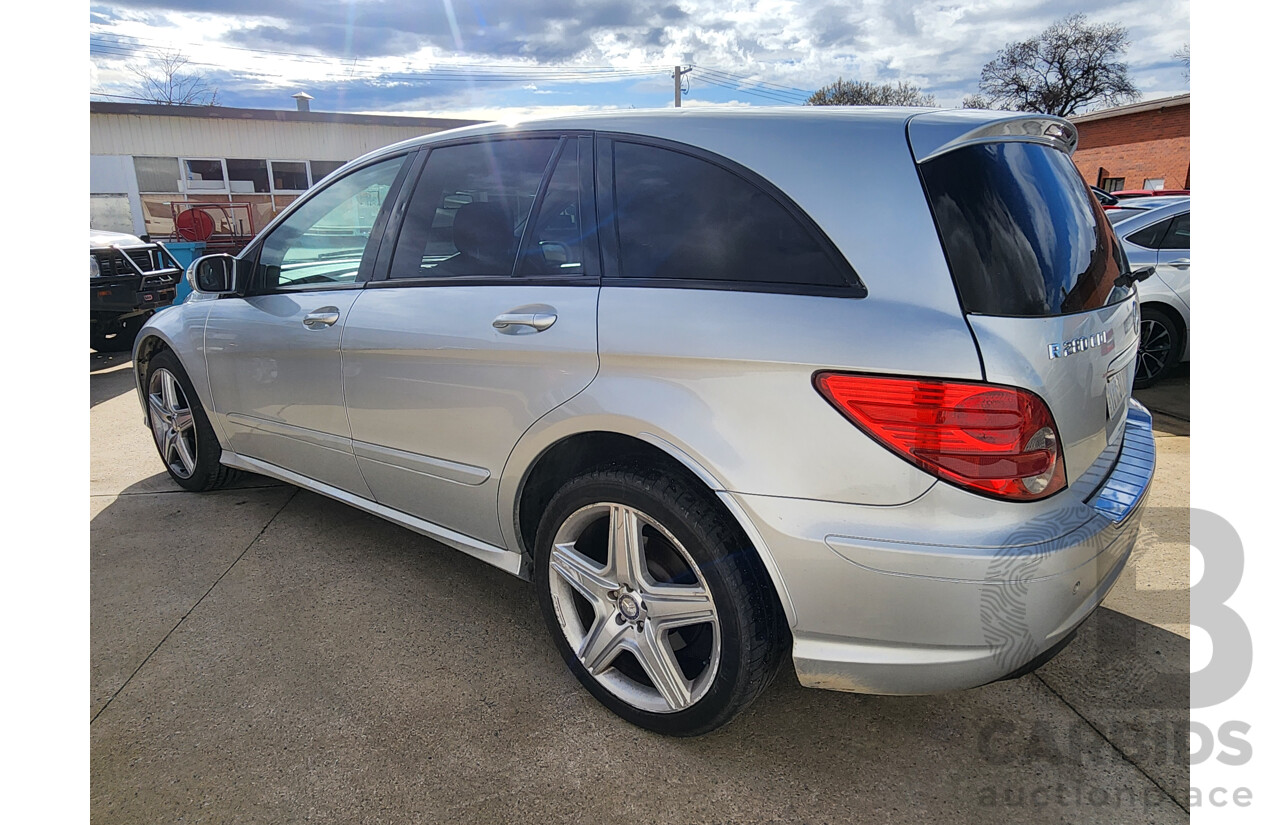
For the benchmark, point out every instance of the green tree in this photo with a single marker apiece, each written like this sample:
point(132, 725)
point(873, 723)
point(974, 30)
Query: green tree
point(862, 93)
point(1068, 67)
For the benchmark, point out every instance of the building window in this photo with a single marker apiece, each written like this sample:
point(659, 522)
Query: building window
point(204, 175)
point(289, 176)
point(321, 169)
point(1111, 184)
point(1153, 183)
point(156, 174)
point(248, 175)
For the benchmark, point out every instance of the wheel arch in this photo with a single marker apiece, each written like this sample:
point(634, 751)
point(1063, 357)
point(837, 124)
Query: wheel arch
point(579, 452)
point(1174, 314)
point(148, 345)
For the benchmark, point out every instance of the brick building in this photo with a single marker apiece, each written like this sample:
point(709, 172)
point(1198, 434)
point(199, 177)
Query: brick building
point(1140, 146)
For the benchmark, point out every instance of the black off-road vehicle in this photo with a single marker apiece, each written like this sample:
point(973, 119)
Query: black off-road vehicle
point(129, 279)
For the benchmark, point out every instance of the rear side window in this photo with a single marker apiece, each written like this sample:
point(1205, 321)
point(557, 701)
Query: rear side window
point(1179, 236)
point(1022, 235)
point(1149, 237)
point(682, 218)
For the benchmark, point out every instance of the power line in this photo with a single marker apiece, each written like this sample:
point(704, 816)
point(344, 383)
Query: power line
point(765, 94)
point(725, 73)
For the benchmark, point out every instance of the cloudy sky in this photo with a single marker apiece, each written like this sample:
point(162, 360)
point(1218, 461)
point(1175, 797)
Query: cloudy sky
point(484, 58)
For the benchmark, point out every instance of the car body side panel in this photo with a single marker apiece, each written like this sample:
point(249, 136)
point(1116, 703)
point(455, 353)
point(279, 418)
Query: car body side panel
point(182, 330)
point(437, 397)
point(700, 371)
point(276, 384)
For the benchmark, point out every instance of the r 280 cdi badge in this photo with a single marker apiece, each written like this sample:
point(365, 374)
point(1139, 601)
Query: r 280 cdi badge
point(729, 387)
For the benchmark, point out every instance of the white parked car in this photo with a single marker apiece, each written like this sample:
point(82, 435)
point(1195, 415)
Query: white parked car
point(1160, 237)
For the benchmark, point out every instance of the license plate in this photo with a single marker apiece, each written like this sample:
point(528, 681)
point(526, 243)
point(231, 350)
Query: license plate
point(1117, 393)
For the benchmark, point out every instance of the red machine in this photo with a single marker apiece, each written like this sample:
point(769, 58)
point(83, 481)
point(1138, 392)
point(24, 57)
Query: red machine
point(223, 227)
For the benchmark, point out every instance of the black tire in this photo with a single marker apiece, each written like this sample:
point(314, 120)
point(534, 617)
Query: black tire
point(166, 419)
point(118, 335)
point(1159, 349)
point(748, 627)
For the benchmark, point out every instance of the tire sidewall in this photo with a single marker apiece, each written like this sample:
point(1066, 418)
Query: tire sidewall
point(716, 563)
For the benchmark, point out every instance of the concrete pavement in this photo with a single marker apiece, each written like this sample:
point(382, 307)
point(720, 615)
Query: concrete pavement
point(263, 654)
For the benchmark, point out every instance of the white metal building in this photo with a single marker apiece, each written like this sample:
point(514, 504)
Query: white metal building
point(144, 158)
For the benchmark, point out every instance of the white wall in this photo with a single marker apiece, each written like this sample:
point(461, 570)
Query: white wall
point(113, 175)
point(216, 137)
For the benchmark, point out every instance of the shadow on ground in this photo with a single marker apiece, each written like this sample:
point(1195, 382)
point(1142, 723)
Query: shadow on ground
point(343, 669)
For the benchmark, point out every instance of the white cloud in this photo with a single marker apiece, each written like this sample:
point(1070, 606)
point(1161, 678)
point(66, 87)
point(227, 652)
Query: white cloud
point(939, 46)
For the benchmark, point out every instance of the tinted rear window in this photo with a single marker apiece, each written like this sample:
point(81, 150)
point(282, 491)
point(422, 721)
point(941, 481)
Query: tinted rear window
point(1021, 232)
point(684, 218)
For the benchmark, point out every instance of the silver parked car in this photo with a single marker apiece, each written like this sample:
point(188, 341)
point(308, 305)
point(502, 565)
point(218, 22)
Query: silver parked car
point(1160, 237)
point(844, 386)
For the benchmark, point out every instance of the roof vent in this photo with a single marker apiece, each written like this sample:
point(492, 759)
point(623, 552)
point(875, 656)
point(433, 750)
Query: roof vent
point(304, 101)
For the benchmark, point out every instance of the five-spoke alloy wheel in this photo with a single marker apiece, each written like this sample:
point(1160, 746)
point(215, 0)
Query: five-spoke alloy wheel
point(646, 605)
point(655, 601)
point(172, 424)
point(181, 430)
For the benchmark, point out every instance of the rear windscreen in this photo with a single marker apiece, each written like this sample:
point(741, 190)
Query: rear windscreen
point(1021, 232)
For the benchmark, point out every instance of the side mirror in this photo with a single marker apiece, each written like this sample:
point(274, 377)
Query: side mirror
point(1135, 275)
point(213, 275)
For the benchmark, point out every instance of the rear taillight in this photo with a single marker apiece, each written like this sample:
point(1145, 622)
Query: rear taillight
point(999, 441)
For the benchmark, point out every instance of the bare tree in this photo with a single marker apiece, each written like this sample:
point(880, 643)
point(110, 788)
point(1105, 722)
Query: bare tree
point(862, 93)
point(162, 80)
point(1069, 66)
point(1183, 56)
point(976, 102)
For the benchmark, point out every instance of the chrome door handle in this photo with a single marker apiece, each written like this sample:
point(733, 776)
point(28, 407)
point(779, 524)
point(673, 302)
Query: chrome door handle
point(322, 317)
point(1181, 263)
point(538, 321)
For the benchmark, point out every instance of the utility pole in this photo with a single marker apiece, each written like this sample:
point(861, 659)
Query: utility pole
point(678, 74)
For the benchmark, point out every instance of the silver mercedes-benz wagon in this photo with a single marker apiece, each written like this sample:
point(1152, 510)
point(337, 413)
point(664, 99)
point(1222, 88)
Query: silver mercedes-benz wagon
point(849, 386)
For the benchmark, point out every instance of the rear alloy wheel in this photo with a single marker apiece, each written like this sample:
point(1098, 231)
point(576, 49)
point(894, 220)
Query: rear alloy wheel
point(180, 428)
point(652, 602)
point(1159, 347)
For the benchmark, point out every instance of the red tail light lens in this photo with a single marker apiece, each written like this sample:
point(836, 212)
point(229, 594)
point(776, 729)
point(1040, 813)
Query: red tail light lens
point(994, 440)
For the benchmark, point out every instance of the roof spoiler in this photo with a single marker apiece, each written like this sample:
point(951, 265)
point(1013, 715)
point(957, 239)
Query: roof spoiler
point(937, 133)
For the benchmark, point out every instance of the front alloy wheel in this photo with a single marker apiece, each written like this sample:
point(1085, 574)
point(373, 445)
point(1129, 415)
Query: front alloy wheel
point(181, 429)
point(172, 423)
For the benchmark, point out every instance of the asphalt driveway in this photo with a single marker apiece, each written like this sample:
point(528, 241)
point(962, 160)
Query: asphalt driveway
point(263, 654)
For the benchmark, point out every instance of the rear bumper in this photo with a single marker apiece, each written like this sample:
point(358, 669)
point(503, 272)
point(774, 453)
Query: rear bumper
point(952, 591)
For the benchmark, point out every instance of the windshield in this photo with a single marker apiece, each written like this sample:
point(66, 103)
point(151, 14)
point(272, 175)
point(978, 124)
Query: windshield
point(1022, 234)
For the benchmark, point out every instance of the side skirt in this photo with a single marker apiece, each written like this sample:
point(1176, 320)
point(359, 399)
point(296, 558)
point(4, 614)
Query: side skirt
point(498, 557)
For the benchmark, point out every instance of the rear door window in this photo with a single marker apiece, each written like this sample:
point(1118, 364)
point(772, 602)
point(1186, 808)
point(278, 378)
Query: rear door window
point(468, 212)
point(683, 218)
point(1021, 232)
